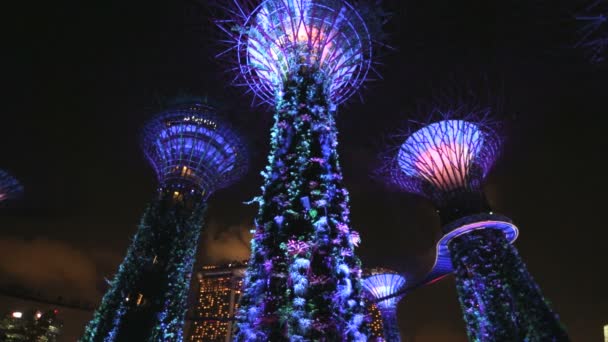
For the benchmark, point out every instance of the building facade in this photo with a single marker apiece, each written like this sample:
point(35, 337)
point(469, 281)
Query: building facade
point(30, 325)
point(218, 295)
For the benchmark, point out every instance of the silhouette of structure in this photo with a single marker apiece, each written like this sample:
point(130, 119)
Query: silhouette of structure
point(447, 161)
point(194, 154)
point(304, 57)
point(382, 286)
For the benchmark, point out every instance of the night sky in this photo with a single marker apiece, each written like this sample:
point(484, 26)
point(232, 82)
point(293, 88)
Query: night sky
point(82, 78)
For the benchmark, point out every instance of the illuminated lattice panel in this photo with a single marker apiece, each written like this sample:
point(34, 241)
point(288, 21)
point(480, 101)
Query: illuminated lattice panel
point(191, 147)
point(330, 35)
point(447, 155)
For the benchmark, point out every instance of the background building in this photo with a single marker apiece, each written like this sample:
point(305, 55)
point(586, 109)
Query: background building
point(30, 325)
point(218, 296)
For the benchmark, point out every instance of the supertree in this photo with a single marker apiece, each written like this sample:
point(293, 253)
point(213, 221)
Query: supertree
point(594, 30)
point(383, 285)
point(194, 153)
point(304, 57)
point(447, 161)
point(9, 186)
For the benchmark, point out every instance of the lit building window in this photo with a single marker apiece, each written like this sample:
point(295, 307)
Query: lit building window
point(219, 292)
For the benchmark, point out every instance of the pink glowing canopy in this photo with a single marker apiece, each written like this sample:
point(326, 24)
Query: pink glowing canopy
point(447, 154)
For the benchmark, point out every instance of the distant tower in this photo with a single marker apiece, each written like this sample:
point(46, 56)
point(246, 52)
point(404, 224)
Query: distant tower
point(9, 186)
point(593, 34)
point(447, 162)
point(304, 57)
point(382, 283)
point(218, 296)
point(194, 154)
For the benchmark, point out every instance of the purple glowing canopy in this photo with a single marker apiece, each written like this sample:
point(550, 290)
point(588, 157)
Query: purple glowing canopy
point(9, 186)
point(189, 146)
point(594, 32)
point(384, 283)
point(279, 35)
point(445, 156)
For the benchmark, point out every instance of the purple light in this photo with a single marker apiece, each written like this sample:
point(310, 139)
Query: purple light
point(9, 186)
point(382, 285)
point(445, 156)
point(279, 36)
point(594, 31)
point(190, 146)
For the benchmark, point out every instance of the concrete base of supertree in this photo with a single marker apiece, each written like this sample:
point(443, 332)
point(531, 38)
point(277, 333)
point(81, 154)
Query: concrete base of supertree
point(147, 299)
point(303, 279)
point(499, 298)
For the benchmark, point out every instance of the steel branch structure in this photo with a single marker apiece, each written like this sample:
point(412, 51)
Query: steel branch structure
point(594, 30)
point(304, 57)
point(278, 36)
point(384, 286)
point(194, 153)
point(191, 149)
point(10, 187)
point(447, 161)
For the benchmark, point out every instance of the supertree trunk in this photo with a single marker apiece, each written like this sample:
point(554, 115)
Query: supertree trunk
point(390, 325)
point(147, 297)
point(499, 299)
point(303, 280)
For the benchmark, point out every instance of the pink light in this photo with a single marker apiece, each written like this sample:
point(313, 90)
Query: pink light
point(445, 165)
point(17, 314)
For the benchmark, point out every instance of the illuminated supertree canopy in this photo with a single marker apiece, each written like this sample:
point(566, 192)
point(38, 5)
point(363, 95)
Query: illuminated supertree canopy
point(9, 186)
point(383, 283)
point(194, 153)
point(304, 57)
point(279, 36)
point(594, 30)
point(383, 286)
point(190, 147)
point(446, 157)
point(447, 161)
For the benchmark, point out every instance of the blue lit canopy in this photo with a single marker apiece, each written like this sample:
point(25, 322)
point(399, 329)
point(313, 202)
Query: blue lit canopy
point(446, 156)
point(9, 186)
point(189, 146)
point(278, 36)
point(383, 283)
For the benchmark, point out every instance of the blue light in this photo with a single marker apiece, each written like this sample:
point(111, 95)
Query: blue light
point(384, 285)
point(9, 186)
point(282, 35)
point(190, 145)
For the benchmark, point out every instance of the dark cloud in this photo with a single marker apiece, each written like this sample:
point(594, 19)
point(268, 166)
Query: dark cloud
point(49, 267)
point(223, 244)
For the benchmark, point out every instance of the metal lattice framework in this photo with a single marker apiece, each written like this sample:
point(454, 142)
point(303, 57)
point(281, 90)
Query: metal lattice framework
point(383, 283)
point(280, 35)
point(445, 157)
point(9, 186)
point(191, 148)
point(594, 30)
